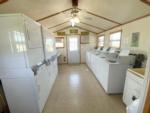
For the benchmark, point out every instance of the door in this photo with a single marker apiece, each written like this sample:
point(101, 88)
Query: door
point(73, 42)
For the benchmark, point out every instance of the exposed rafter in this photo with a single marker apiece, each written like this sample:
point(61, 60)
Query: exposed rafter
point(92, 26)
point(75, 3)
point(80, 22)
point(74, 27)
point(49, 16)
point(101, 17)
point(147, 15)
point(62, 29)
point(58, 25)
point(109, 29)
point(3, 1)
point(86, 29)
point(146, 2)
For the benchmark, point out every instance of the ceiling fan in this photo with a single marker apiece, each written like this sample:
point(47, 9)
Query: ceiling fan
point(75, 14)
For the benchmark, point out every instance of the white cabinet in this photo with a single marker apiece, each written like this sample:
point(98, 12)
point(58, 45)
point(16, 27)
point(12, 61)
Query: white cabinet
point(132, 89)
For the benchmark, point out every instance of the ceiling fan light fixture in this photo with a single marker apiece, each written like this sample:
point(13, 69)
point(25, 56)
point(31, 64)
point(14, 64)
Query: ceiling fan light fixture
point(74, 21)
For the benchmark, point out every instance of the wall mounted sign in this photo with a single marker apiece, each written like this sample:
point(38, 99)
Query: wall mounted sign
point(73, 31)
point(84, 33)
point(61, 33)
point(84, 39)
point(135, 39)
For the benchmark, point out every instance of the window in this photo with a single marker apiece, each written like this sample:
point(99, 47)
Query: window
point(59, 42)
point(115, 39)
point(50, 45)
point(101, 41)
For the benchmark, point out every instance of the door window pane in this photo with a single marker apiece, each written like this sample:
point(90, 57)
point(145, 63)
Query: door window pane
point(73, 43)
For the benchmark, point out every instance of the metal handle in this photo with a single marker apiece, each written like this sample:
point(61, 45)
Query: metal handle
point(47, 62)
point(36, 67)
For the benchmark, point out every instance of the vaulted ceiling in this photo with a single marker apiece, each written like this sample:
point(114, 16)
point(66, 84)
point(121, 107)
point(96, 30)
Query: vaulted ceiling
point(95, 15)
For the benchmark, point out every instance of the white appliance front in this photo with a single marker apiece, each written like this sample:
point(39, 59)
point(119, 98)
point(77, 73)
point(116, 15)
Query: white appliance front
point(49, 43)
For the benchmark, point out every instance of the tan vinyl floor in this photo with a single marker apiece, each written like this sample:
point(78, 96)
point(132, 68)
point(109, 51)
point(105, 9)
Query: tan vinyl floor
point(77, 91)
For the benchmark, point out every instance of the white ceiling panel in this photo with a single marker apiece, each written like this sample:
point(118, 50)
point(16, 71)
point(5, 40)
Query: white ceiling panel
point(120, 11)
point(97, 21)
point(117, 10)
point(60, 27)
point(93, 29)
point(55, 20)
point(36, 9)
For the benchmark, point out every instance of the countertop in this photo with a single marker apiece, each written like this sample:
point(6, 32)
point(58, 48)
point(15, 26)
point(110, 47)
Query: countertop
point(138, 71)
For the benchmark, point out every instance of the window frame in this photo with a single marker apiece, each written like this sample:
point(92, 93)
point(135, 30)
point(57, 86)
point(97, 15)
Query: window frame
point(99, 41)
point(120, 38)
point(63, 42)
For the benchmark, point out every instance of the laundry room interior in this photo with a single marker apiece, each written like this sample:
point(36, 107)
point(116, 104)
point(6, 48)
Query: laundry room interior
point(75, 56)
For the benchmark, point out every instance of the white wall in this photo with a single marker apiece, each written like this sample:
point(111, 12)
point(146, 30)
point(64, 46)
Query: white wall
point(84, 47)
point(142, 26)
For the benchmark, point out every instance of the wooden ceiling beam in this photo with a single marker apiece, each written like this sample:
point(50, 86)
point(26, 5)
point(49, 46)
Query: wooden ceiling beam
point(146, 2)
point(75, 3)
point(92, 26)
point(49, 16)
point(147, 15)
point(75, 27)
point(61, 29)
point(80, 22)
point(3, 1)
point(101, 17)
point(86, 29)
point(109, 29)
point(58, 25)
